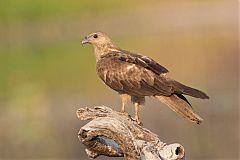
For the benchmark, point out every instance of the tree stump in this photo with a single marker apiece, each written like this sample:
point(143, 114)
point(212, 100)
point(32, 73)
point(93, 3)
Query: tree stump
point(115, 134)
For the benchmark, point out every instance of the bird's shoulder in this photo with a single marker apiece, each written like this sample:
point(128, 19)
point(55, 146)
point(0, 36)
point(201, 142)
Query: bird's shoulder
point(133, 58)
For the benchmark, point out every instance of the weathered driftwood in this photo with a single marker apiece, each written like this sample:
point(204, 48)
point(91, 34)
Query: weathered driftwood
point(115, 134)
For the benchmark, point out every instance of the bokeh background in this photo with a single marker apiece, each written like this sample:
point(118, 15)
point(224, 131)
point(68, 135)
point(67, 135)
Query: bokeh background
point(46, 74)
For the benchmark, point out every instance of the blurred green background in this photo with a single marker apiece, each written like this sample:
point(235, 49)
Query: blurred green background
point(46, 74)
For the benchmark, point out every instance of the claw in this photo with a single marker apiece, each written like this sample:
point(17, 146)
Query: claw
point(123, 111)
point(137, 121)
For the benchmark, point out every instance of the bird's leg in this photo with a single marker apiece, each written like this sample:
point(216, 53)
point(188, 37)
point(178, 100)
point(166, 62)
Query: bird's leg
point(123, 106)
point(124, 98)
point(137, 109)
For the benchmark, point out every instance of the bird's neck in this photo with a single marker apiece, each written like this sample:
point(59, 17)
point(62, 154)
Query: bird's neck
point(102, 49)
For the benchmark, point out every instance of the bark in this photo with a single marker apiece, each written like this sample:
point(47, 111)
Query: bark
point(115, 134)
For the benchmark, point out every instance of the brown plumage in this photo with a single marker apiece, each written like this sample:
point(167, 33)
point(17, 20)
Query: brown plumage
point(134, 76)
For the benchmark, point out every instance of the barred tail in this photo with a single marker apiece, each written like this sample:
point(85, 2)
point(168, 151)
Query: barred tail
point(180, 106)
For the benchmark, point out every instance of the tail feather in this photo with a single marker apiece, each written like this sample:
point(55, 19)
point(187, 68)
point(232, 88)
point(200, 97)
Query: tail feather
point(182, 89)
point(181, 107)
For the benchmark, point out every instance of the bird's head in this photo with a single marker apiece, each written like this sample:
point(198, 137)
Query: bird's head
point(96, 38)
point(102, 44)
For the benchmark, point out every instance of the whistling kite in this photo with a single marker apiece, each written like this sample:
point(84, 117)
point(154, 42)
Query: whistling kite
point(135, 76)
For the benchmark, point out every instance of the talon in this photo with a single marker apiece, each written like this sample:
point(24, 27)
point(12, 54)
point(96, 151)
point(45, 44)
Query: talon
point(137, 121)
point(123, 111)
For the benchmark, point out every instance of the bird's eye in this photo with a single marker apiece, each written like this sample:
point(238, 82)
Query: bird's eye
point(95, 36)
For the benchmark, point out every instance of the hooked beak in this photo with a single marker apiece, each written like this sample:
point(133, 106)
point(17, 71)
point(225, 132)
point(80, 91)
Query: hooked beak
point(85, 40)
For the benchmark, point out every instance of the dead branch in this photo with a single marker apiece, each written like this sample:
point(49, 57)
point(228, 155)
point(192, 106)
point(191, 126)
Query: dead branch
point(115, 134)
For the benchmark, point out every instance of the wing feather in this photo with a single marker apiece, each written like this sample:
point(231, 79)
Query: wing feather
point(127, 77)
point(143, 61)
point(139, 75)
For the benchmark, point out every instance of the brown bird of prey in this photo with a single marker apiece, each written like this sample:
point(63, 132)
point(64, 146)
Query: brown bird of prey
point(135, 76)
